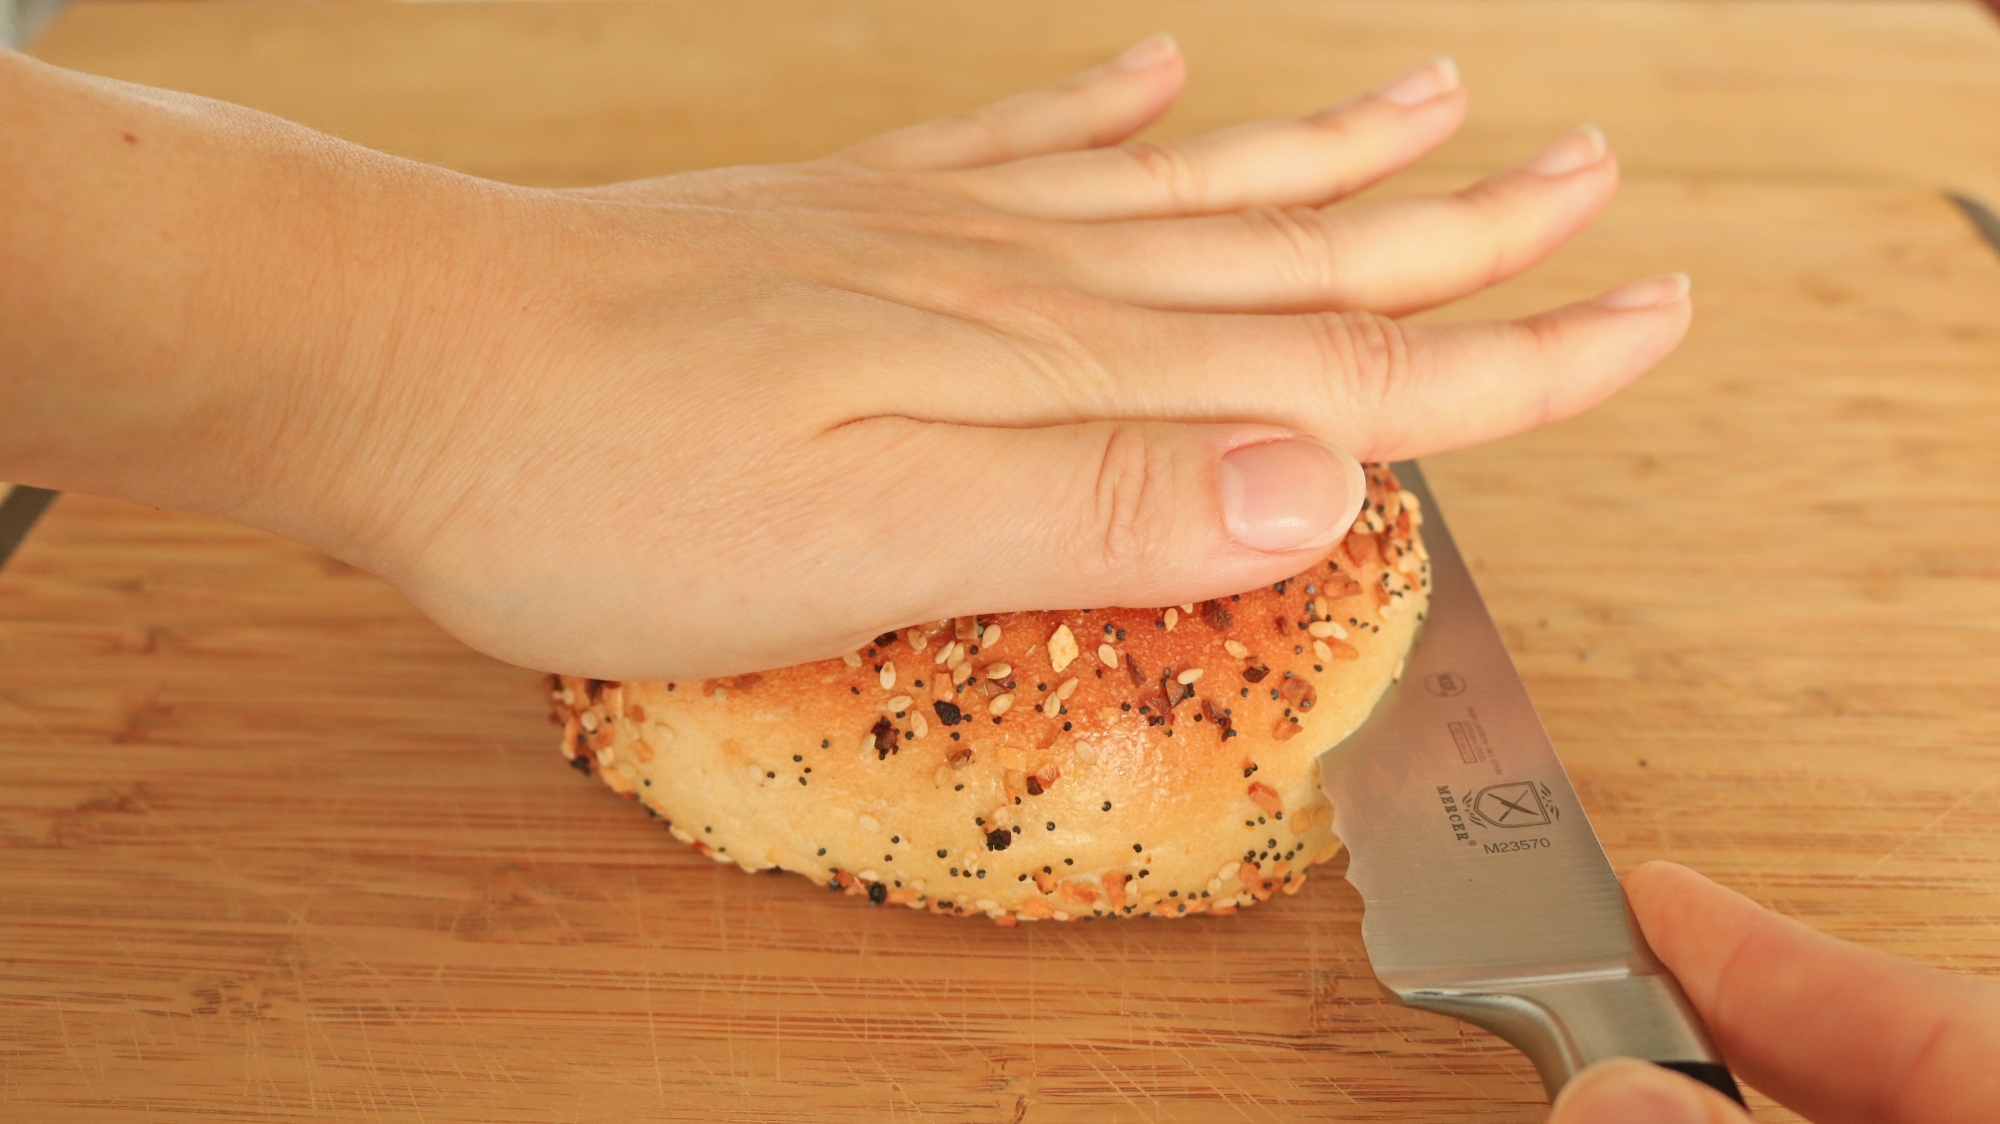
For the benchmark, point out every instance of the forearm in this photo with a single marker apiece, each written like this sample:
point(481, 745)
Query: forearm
point(183, 284)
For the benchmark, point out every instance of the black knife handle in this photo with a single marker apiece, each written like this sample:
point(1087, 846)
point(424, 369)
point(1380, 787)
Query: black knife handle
point(19, 509)
point(1715, 1075)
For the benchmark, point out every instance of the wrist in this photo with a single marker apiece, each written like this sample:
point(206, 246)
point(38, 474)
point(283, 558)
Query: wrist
point(208, 308)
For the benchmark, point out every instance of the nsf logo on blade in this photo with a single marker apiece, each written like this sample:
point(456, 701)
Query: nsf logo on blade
point(1517, 804)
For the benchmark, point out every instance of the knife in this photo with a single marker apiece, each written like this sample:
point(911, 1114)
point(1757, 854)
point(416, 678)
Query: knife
point(1488, 897)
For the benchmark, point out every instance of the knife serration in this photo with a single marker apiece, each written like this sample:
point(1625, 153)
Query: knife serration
point(1487, 894)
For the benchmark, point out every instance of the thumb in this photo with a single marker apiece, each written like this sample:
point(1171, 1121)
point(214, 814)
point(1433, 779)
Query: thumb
point(1119, 513)
point(1625, 1091)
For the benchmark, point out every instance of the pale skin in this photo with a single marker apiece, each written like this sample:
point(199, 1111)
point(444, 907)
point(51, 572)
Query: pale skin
point(743, 418)
point(730, 420)
point(1837, 1033)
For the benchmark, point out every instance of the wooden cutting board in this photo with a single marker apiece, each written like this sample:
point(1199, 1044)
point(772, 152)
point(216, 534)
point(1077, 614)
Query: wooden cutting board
point(272, 847)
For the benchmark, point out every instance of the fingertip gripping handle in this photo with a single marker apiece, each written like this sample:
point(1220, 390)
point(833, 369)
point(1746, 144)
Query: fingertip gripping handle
point(1715, 1075)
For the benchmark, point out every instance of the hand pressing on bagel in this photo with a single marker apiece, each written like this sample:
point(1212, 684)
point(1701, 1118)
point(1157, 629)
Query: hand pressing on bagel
point(742, 418)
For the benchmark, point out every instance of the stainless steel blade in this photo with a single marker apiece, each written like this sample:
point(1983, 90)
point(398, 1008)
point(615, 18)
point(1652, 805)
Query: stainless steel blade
point(1488, 895)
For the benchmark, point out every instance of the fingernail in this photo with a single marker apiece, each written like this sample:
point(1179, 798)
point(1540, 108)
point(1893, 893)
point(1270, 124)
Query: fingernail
point(1429, 79)
point(1579, 148)
point(1624, 1091)
point(1647, 292)
point(1148, 53)
point(1291, 494)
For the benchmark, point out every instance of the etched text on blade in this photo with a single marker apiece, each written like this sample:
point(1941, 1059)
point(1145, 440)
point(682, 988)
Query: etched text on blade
point(1464, 835)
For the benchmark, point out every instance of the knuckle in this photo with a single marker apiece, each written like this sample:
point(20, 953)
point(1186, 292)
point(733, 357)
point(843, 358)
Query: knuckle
point(1178, 178)
point(1337, 129)
point(1372, 365)
point(1543, 344)
point(990, 125)
point(1135, 500)
point(1304, 246)
point(1370, 353)
point(1484, 216)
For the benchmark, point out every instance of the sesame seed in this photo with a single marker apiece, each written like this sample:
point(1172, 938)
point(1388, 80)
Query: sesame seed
point(1235, 648)
point(888, 676)
point(998, 670)
point(899, 702)
point(1191, 675)
point(1000, 704)
point(870, 823)
point(1173, 618)
point(1322, 651)
point(851, 659)
point(1107, 655)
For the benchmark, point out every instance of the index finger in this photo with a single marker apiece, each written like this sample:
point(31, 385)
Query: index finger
point(1838, 1033)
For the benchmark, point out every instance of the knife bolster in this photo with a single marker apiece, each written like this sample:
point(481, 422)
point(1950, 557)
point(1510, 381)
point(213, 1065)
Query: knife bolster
point(1565, 1024)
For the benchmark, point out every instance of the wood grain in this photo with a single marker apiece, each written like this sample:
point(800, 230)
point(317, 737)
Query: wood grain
point(275, 848)
point(589, 92)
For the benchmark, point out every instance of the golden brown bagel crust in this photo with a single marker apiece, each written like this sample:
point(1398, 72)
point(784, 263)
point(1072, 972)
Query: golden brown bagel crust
point(1036, 765)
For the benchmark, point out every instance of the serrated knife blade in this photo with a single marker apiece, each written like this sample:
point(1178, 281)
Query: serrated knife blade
point(1487, 894)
